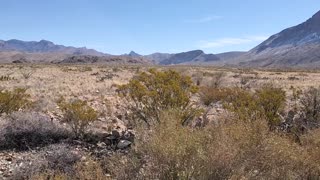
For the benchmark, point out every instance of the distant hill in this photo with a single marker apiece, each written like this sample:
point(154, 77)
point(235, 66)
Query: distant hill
point(44, 46)
point(196, 57)
point(158, 57)
point(298, 46)
point(87, 59)
point(16, 51)
point(188, 58)
point(230, 55)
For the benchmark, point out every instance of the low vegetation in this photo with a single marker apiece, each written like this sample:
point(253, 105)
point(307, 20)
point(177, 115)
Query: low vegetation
point(154, 91)
point(265, 132)
point(15, 100)
point(25, 130)
point(78, 114)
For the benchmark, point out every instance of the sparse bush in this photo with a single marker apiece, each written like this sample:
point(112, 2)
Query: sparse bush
point(25, 130)
point(78, 115)
point(62, 159)
point(123, 167)
point(217, 79)
point(26, 74)
point(107, 76)
point(155, 91)
point(311, 106)
point(85, 69)
point(89, 170)
point(296, 95)
point(116, 69)
point(14, 100)
point(244, 81)
point(5, 78)
point(210, 95)
point(293, 78)
point(57, 161)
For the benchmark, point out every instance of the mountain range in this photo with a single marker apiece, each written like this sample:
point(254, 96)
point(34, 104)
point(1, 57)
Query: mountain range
point(297, 46)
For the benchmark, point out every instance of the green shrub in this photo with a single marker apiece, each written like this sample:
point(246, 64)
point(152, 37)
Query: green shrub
point(272, 100)
point(14, 100)
point(78, 115)
point(244, 105)
point(154, 91)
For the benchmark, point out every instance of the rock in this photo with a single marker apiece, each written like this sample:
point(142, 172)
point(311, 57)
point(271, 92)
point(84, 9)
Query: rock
point(111, 137)
point(9, 159)
point(101, 145)
point(123, 144)
point(128, 135)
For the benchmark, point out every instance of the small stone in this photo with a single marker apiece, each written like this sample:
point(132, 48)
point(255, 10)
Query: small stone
point(101, 145)
point(8, 158)
point(123, 144)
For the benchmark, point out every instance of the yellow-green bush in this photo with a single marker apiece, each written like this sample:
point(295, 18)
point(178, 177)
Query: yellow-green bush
point(154, 91)
point(244, 105)
point(210, 95)
point(272, 100)
point(233, 150)
point(78, 115)
point(14, 100)
point(264, 104)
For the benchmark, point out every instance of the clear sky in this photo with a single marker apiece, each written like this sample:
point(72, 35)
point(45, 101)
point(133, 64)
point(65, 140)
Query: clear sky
point(147, 26)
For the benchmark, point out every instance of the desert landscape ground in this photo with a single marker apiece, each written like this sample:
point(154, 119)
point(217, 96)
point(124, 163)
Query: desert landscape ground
point(97, 122)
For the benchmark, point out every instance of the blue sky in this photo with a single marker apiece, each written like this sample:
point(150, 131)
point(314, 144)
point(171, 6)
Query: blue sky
point(147, 26)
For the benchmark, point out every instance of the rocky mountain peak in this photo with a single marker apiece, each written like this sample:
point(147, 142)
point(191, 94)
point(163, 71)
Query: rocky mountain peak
point(134, 54)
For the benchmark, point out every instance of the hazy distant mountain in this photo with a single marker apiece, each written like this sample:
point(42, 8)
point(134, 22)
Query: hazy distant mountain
point(47, 52)
point(44, 46)
point(87, 59)
point(190, 57)
point(298, 46)
point(158, 57)
point(230, 55)
point(134, 54)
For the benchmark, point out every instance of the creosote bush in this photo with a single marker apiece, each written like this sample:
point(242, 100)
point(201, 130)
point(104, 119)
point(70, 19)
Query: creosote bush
point(154, 91)
point(272, 100)
point(233, 150)
point(78, 114)
point(266, 103)
point(11, 101)
point(210, 95)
